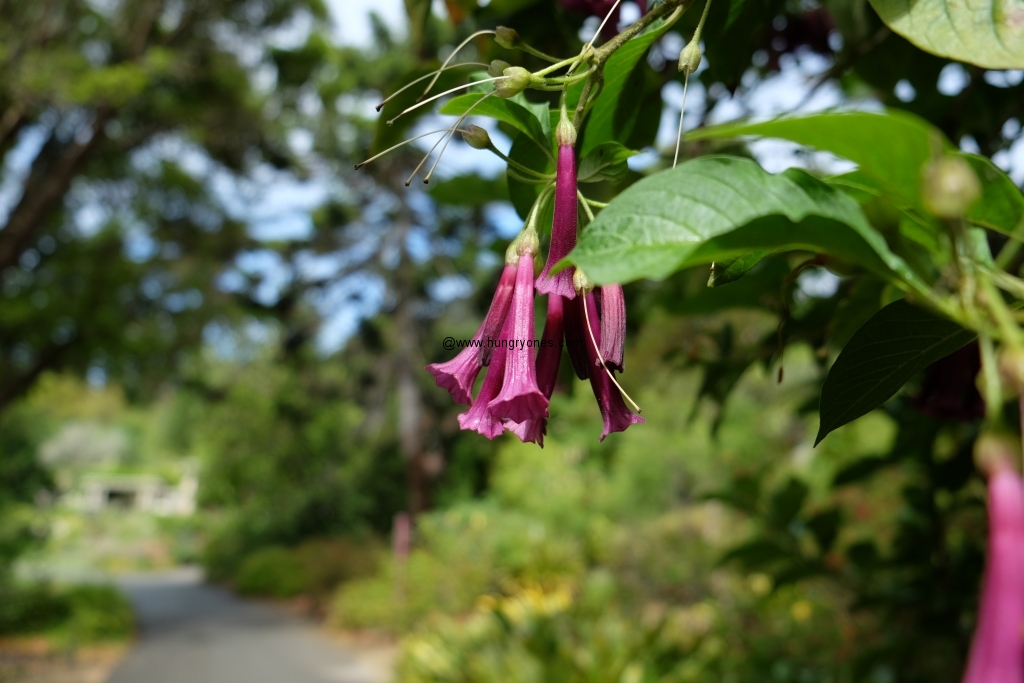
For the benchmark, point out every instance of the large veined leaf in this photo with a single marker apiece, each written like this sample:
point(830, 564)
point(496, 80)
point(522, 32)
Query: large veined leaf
point(719, 207)
point(989, 33)
point(890, 148)
point(895, 344)
point(516, 115)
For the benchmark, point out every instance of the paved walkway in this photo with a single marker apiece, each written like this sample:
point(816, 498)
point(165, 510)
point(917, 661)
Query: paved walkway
point(194, 633)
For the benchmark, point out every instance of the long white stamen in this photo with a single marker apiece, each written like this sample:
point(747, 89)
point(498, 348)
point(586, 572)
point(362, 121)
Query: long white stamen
point(440, 95)
point(682, 110)
point(450, 57)
point(454, 128)
point(591, 43)
point(404, 142)
point(586, 314)
point(435, 74)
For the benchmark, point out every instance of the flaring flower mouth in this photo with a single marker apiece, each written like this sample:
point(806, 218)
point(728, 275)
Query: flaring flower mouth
point(479, 417)
point(563, 228)
point(520, 399)
point(459, 374)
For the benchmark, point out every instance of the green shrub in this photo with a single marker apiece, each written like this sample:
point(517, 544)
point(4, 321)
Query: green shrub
point(272, 572)
point(80, 614)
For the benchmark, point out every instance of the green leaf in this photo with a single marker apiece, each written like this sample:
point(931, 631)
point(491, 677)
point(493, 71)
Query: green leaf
point(890, 148)
point(1001, 206)
point(615, 110)
point(515, 115)
point(989, 33)
point(523, 194)
point(719, 207)
point(895, 344)
point(730, 270)
point(607, 161)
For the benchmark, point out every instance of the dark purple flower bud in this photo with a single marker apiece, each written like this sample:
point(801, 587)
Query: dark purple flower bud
point(613, 326)
point(563, 228)
point(459, 374)
point(997, 650)
point(520, 398)
point(617, 417)
point(550, 354)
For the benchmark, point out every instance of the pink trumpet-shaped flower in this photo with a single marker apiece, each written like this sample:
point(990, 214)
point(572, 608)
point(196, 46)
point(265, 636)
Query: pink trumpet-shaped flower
point(613, 326)
point(520, 398)
point(548, 359)
point(997, 650)
point(617, 417)
point(459, 374)
point(563, 228)
point(479, 417)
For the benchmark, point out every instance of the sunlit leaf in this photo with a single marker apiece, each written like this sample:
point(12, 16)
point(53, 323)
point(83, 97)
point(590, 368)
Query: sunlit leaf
point(719, 207)
point(989, 33)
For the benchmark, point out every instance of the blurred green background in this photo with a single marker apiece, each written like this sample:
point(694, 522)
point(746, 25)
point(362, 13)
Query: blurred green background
point(213, 333)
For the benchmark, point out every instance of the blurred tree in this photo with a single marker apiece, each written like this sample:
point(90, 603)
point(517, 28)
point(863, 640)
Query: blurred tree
point(114, 122)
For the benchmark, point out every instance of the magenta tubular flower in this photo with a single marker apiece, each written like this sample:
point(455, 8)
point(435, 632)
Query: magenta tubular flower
point(520, 398)
point(997, 651)
point(550, 354)
point(479, 417)
point(613, 326)
point(563, 228)
point(617, 417)
point(548, 359)
point(576, 341)
point(459, 374)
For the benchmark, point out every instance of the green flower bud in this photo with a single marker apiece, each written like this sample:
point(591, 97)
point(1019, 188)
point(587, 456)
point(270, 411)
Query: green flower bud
point(528, 242)
point(515, 80)
point(949, 188)
point(565, 132)
point(582, 283)
point(507, 37)
point(689, 57)
point(476, 137)
point(497, 67)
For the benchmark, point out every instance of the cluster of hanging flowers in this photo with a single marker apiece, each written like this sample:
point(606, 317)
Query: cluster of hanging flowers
point(521, 370)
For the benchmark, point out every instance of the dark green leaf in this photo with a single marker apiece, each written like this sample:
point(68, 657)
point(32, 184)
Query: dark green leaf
point(1001, 206)
point(894, 345)
point(730, 270)
point(607, 161)
point(614, 113)
point(861, 469)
